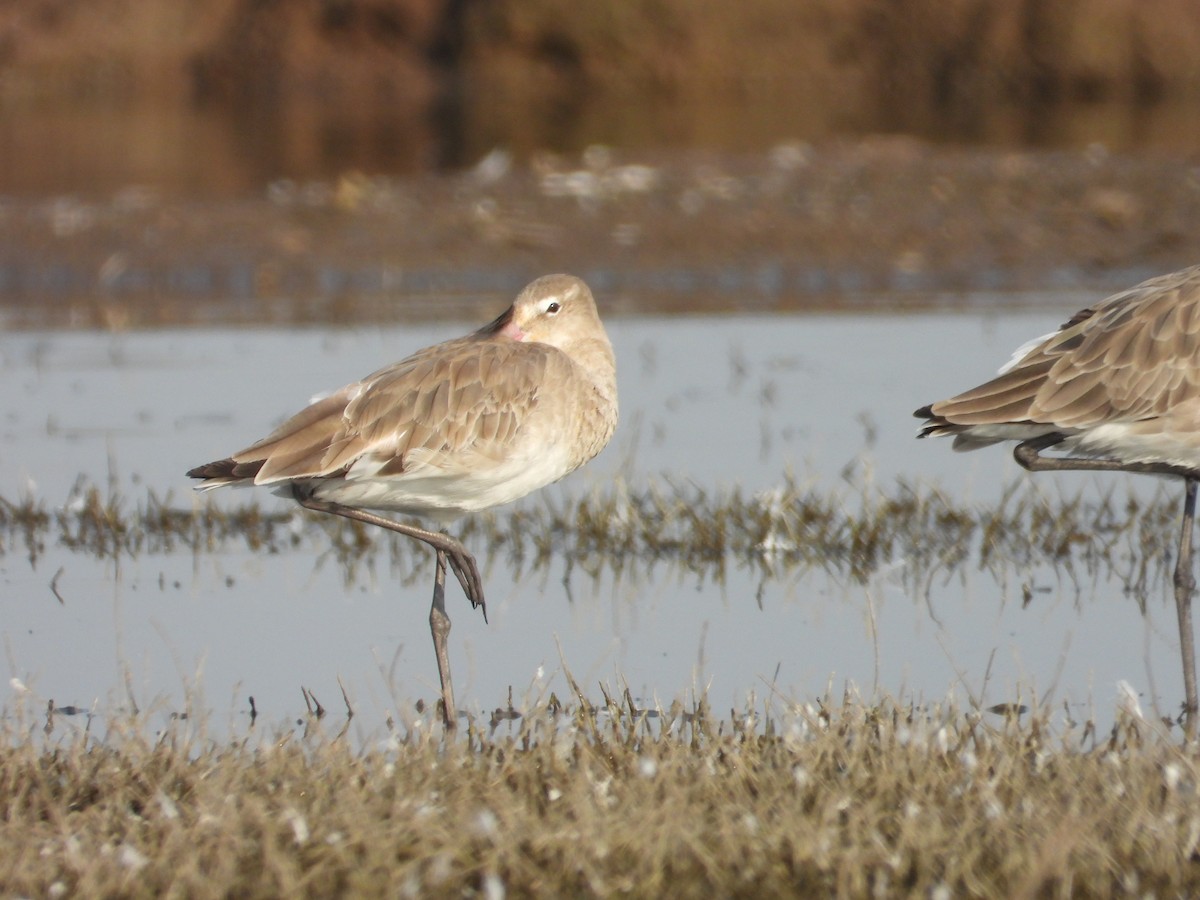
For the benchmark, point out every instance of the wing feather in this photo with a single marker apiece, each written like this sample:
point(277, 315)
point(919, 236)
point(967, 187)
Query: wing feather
point(1131, 357)
point(445, 411)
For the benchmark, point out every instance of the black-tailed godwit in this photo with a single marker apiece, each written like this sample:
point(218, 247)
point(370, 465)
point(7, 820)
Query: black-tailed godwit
point(1116, 388)
point(458, 427)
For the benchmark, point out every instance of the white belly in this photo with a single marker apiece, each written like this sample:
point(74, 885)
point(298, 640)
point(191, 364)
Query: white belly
point(445, 495)
point(1128, 443)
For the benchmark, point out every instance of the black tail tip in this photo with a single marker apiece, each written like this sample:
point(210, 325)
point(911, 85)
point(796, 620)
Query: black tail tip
point(222, 468)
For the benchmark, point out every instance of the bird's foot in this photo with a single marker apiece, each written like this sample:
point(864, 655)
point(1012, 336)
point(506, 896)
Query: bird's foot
point(466, 571)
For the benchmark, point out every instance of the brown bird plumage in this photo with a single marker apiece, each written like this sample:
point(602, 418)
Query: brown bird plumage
point(1121, 377)
point(459, 427)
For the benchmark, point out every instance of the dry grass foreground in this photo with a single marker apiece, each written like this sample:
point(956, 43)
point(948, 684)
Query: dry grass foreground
point(848, 801)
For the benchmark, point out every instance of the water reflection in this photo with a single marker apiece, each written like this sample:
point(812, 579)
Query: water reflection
point(763, 522)
point(100, 148)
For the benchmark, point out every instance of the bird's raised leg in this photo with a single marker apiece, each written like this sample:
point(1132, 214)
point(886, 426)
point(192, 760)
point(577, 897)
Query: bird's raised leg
point(439, 626)
point(1028, 454)
point(460, 559)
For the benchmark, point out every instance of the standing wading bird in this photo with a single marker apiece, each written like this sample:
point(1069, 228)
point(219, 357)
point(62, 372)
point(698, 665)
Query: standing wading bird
point(1116, 388)
point(459, 427)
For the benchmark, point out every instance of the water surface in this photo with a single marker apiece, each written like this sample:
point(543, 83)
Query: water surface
point(740, 400)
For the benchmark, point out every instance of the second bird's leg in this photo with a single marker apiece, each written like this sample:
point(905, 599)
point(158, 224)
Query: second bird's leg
point(439, 626)
point(450, 549)
point(1028, 454)
point(1185, 584)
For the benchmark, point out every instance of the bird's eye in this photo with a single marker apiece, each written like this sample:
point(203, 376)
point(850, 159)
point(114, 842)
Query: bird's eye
point(553, 307)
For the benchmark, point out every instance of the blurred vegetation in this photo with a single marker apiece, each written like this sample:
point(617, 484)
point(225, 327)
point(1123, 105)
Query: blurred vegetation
point(230, 94)
point(878, 52)
point(898, 62)
point(887, 222)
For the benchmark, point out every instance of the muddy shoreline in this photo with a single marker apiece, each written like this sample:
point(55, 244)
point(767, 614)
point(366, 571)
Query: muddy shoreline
point(876, 222)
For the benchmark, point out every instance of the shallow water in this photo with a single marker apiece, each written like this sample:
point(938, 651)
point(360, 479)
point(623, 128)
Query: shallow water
point(709, 401)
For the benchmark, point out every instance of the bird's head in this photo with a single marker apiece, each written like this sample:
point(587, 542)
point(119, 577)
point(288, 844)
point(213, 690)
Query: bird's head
point(555, 309)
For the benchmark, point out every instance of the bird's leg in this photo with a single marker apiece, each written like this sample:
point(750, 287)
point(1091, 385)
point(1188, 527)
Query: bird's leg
point(439, 626)
point(1185, 584)
point(460, 559)
point(1027, 453)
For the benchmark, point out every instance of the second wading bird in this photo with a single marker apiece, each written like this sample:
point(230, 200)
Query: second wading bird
point(455, 428)
point(1116, 388)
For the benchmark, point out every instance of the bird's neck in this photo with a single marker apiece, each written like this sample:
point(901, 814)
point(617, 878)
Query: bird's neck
point(595, 357)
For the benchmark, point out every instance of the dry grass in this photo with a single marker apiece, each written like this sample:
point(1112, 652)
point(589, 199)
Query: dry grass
point(849, 800)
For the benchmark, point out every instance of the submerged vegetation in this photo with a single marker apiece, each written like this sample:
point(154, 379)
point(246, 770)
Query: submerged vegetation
point(914, 529)
point(845, 799)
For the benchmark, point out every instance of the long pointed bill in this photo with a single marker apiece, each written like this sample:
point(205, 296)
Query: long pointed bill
point(504, 325)
point(510, 330)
